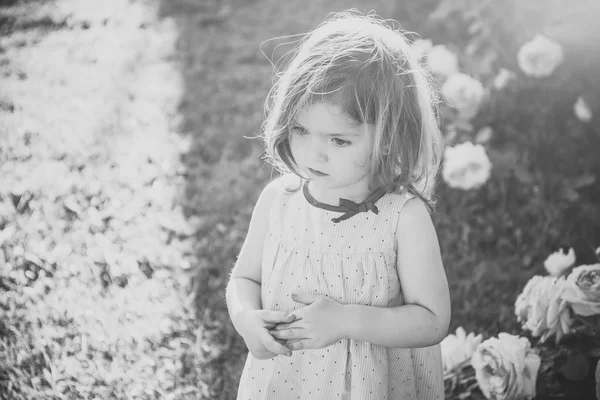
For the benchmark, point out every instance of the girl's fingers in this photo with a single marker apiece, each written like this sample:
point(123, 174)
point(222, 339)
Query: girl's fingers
point(280, 327)
point(289, 334)
point(276, 317)
point(297, 344)
point(290, 325)
point(274, 346)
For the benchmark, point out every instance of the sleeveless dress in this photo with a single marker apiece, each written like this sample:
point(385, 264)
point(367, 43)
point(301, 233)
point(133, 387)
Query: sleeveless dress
point(353, 262)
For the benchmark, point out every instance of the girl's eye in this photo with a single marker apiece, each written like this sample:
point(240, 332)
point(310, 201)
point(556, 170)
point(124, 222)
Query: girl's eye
point(340, 142)
point(299, 131)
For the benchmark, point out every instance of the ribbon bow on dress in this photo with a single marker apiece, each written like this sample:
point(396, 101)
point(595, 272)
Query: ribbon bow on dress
point(352, 208)
point(348, 207)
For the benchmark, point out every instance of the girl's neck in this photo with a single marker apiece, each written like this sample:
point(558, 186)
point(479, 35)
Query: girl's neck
point(356, 193)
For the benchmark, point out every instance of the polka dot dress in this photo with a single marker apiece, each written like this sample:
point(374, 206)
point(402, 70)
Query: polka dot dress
point(352, 262)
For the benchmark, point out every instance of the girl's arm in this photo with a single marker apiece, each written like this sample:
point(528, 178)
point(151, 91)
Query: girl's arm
point(243, 290)
point(424, 318)
point(243, 294)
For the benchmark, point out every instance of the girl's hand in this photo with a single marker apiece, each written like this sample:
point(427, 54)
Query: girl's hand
point(318, 325)
point(255, 326)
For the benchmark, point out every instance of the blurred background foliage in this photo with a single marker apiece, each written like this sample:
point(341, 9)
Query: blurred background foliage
point(193, 210)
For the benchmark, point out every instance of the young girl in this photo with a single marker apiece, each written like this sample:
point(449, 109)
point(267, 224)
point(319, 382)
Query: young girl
point(339, 291)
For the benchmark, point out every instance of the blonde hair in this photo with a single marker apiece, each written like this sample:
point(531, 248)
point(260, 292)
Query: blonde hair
point(362, 64)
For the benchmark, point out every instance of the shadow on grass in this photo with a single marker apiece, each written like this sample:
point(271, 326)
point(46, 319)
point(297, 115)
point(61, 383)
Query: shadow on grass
point(224, 87)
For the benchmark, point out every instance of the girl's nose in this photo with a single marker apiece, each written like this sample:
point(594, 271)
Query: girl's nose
point(320, 155)
point(318, 151)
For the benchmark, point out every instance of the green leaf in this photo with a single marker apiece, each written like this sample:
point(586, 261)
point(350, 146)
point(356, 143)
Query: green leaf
point(7, 233)
point(583, 181)
point(503, 161)
point(569, 193)
point(522, 174)
point(576, 367)
point(594, 353)
point(48, 376)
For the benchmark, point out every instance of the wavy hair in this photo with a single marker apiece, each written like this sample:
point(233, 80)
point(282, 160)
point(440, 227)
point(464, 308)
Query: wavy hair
point(364, 65)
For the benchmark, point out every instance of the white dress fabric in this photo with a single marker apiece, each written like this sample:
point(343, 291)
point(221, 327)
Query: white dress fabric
point(353, 262)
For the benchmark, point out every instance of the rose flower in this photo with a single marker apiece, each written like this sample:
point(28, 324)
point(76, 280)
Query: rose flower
point(506, 367)
point(583, 291)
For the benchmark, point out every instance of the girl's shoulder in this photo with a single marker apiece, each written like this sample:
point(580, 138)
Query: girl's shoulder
point(399, 199)
point(413, 213)
point(277, 192)
point(285, 184)
point(404, 213)
point(398, 204)
point(274, 191)
point(402, 194)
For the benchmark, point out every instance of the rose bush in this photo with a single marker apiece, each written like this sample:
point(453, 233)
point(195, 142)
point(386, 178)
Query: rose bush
point(506, 367)
point(442, 62)
point(540, 57)
point(541, 308)
point(420, 48)
point(582, 110)
point(583, 290)
point(558, 262)
point(466, 166)
point(463, 93)
point(484, 135)
point(503, 78)
point(459, 347)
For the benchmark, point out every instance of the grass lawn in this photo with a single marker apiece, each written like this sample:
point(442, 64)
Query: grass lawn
point(128, 182)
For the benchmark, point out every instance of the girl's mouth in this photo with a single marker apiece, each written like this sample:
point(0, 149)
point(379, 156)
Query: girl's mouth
point(317, 173)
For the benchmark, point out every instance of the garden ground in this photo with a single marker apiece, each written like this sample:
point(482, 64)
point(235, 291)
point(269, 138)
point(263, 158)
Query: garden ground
point(112, 282)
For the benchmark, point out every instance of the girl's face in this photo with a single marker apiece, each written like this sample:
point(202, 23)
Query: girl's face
point(331, 150)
